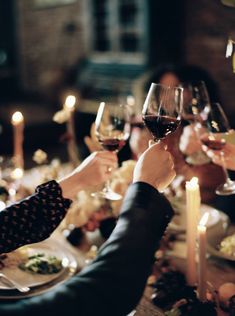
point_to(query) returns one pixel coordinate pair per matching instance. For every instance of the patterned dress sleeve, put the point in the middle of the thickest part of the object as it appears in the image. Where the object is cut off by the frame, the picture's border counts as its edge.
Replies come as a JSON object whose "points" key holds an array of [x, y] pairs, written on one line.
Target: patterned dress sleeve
{"points": [[34, 218]]}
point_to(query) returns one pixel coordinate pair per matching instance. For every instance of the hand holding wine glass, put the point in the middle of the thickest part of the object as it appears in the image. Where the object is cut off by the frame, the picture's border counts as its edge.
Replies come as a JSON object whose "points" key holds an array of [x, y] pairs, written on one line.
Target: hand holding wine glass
{"points": [[228, 155], [162, 110], [112, 127], [215, 139]]}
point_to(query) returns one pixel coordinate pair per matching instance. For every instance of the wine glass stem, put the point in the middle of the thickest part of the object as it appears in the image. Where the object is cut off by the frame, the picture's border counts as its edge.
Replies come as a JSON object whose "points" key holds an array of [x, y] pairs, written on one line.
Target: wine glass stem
{"points": [[107, 186], [227, 178], [196, 127]]}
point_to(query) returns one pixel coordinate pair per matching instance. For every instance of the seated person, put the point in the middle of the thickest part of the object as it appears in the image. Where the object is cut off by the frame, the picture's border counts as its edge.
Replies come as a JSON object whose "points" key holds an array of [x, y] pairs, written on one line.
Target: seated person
{"points": [[114, 282]]}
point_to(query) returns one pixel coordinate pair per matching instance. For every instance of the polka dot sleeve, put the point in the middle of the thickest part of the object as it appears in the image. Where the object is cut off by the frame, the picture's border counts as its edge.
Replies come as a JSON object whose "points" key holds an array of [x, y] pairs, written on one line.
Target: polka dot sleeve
{"points": [[34, 218]]}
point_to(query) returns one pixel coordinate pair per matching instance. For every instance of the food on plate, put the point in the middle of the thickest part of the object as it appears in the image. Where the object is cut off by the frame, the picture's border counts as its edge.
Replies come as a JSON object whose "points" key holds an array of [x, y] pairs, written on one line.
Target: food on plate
{"points": [[41, 264], [227, 245]]}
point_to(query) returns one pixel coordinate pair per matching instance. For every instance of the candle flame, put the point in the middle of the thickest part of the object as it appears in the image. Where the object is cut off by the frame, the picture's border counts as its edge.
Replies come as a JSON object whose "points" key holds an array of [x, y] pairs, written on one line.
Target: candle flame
{"points": [[17, 118], [17, 173], [70, 102], [130, 100], [204, 219], [194, 181], [192, 184]]}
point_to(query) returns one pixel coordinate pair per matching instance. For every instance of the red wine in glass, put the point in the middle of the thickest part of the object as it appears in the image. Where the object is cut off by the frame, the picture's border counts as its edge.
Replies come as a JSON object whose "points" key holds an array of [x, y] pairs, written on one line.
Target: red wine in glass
{"points": [[212, 142], [160, 126], [162, 110], [112, 144]]}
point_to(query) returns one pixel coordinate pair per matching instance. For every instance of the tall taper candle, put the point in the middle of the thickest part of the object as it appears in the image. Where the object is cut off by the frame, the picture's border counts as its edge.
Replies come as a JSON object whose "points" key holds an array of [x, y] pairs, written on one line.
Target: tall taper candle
{"points": [[17, 121], [192, 216], [72, 145], [202, 268]]}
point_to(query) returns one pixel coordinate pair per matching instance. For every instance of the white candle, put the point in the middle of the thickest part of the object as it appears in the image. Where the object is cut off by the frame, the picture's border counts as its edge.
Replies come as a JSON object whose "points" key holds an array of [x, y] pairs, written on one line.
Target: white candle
{"points": [[192, 216], [69, 105], [17, 121], [202, 269]]}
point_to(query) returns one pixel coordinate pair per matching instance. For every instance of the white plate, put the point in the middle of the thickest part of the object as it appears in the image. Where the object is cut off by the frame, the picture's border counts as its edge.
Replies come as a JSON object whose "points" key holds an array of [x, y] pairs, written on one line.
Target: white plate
{"points": [[178, 222], [34, 280]]}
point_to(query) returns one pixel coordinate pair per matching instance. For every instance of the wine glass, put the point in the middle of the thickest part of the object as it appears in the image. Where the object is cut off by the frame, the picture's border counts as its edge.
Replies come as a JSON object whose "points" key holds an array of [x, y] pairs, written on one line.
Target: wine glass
{"points": [[162, 110], [196, 101], [218, 127], [112, 127], [196, 105]]}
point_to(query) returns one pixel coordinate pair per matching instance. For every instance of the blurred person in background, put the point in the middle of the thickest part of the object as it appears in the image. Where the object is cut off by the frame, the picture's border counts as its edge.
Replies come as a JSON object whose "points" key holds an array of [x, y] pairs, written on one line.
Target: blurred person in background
{"points": [[173, 75]]}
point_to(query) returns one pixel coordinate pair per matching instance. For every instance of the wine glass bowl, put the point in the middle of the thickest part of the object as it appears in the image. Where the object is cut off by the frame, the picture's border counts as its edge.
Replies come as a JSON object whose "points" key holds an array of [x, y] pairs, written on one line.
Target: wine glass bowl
{"points": [[195, 111], [196, 101], [112, 130], [162, 110]]}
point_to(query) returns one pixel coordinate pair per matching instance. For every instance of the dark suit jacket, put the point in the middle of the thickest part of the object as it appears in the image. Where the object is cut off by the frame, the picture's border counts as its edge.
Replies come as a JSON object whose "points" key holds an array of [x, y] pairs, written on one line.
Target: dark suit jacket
{"points": [[114, 282]]}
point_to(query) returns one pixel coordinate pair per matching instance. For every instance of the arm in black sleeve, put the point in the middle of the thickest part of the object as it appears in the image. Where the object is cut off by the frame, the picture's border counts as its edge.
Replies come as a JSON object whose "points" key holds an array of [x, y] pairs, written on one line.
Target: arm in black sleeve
{"points": [[34, 218], [114, 282]]}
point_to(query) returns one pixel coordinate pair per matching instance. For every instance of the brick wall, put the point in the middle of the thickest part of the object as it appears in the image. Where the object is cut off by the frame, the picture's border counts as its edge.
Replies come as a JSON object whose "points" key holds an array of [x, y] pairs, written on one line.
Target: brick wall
{"points": [[46, 49], [45, 46], [208, 25]]}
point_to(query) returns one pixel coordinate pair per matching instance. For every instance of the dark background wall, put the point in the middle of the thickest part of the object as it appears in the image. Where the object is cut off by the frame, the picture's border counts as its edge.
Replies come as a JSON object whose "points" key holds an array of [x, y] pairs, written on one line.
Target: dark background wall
{"points": [[50, 40], [208, 24]]}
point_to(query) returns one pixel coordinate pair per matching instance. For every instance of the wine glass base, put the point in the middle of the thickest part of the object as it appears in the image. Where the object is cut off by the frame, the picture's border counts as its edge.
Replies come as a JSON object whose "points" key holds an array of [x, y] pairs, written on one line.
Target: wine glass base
{"points": [[227, 188], [108, 195]]}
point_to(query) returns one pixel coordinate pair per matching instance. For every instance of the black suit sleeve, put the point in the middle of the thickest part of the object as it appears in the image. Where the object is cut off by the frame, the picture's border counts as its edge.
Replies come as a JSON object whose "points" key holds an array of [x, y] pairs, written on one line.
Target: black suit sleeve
{"points": [[113, 284]]}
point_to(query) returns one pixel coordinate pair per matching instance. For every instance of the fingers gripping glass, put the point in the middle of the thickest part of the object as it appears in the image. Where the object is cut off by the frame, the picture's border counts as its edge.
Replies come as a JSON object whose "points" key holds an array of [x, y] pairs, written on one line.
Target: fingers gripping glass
{"points": [[162, 110], [218, 127], [112, 127]]}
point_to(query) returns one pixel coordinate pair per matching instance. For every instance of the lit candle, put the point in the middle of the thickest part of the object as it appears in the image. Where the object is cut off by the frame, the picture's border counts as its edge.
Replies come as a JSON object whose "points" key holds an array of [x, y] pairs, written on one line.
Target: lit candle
{"points": [[17, 121], [192, 216], [69, 105], [202, 277]]}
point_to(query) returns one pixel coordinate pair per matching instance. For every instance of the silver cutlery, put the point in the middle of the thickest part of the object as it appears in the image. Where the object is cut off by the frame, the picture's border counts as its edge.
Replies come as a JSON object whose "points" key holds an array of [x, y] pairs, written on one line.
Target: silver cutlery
{"points": [[16, 285]]}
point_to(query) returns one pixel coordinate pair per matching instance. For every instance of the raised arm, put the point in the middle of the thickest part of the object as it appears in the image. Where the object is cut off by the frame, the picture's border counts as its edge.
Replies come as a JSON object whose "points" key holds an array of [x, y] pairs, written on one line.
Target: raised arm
{"points": [[36, 217], [113, 283]]}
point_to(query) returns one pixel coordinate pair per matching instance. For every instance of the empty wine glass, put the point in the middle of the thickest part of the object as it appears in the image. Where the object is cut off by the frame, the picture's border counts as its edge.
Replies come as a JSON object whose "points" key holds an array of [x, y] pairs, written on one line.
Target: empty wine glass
{"points": [[112, 126], [196, 105], [218, 127], [196, 101], [162, 110]]}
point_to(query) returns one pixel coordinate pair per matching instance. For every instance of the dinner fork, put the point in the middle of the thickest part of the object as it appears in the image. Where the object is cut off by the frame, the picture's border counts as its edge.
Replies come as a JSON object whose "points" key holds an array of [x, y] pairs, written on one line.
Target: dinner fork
{"points": [[19, 287]]}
